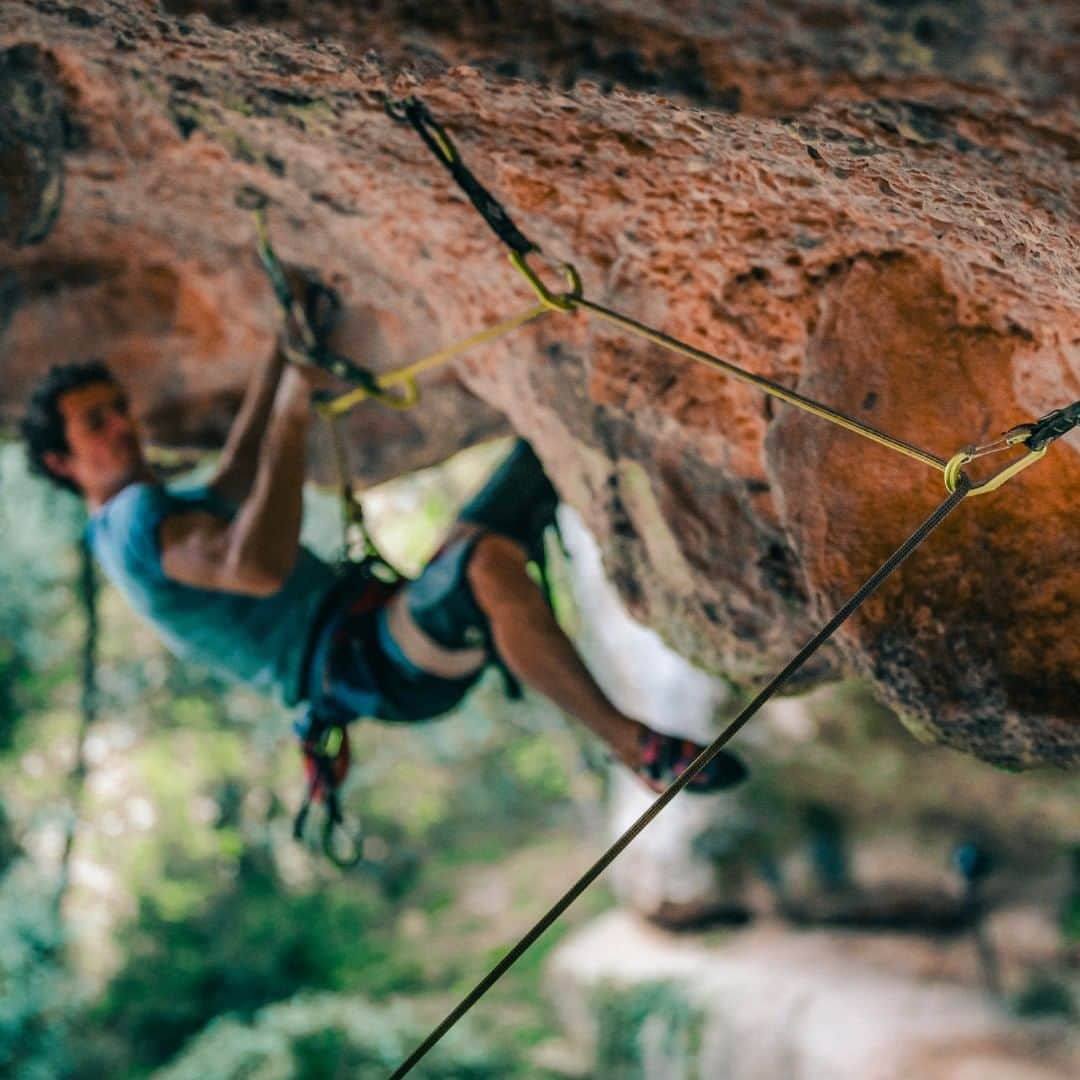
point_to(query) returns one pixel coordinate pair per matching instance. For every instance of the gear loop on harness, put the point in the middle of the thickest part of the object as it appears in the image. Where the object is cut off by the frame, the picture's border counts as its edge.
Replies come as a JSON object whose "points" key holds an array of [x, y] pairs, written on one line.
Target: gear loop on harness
{"points": [[325, 749]]}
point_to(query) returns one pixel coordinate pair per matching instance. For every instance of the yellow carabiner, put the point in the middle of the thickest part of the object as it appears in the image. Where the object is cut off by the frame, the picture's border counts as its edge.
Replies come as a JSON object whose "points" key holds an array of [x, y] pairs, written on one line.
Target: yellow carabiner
{"points": [[566, 301], [406, 399], [954, 469], [954, 466]]}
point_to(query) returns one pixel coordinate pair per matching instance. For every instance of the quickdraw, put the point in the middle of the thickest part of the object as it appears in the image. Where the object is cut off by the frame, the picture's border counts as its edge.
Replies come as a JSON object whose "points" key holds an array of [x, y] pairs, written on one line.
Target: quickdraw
{"points": [[1036, 437], [327, 757]]}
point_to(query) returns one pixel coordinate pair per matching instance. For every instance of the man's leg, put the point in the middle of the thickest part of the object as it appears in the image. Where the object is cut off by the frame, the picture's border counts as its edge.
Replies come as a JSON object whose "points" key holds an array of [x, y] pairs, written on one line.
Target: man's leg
{"points": [[533, 646], [478, 589]]}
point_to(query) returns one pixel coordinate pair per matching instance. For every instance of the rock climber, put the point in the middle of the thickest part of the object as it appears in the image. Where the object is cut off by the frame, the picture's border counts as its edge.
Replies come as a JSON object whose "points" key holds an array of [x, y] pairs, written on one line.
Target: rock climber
{"points": [[220, 574]]}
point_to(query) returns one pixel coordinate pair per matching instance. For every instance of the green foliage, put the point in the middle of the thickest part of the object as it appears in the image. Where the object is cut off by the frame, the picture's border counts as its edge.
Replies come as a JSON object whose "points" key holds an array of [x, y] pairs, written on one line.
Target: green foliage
{"points": [[39, 526], [333, 1038], [1070, 920], [1070, 907], [646, 1030], [253, 941], [36, 993], [1045, 995]]}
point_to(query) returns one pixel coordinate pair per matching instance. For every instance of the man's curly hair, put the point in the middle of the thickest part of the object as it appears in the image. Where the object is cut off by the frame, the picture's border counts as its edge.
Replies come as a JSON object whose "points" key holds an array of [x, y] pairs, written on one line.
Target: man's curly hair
{"points": [[43, 424]]}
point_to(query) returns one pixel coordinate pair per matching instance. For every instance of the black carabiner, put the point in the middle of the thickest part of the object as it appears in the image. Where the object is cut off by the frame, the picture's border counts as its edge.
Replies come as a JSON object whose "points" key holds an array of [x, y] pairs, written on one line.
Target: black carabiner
{"points": [[334, 830]]}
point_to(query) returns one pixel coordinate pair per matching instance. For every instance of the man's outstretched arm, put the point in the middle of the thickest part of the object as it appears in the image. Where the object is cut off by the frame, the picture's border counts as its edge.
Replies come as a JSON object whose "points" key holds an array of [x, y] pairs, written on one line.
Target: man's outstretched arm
{"points": [[256, 551], [240, 458]]}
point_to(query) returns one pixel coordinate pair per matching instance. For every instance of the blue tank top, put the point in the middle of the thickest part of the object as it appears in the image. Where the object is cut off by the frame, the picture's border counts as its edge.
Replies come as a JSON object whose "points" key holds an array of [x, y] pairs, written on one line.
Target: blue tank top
{"points": [[261, 641]]}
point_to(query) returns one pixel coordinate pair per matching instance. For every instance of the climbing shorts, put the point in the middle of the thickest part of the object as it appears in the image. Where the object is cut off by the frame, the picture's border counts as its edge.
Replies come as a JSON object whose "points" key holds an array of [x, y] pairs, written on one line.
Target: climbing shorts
{"points": [[436, 611], [365, 667]]}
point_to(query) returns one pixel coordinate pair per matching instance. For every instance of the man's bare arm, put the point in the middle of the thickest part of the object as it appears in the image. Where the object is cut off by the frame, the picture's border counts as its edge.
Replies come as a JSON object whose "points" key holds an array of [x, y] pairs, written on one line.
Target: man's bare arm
{"points": [[256, 551], [240, 458]]}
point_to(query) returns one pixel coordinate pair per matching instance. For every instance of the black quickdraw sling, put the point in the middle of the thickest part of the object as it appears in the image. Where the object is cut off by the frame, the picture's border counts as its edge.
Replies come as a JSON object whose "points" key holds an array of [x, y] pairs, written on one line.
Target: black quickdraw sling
{"points": [[324, 739], [413, 111]]}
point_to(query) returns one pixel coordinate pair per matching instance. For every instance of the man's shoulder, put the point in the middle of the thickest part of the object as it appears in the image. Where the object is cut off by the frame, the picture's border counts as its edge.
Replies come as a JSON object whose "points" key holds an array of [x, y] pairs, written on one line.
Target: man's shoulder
{"points": [[130, 505], [124, 531]]}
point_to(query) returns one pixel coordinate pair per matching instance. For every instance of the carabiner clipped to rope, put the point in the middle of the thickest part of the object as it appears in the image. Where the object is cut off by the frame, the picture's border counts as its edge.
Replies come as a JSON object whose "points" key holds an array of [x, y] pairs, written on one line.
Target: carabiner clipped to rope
{"points": [[368, 384], [566, 301]]}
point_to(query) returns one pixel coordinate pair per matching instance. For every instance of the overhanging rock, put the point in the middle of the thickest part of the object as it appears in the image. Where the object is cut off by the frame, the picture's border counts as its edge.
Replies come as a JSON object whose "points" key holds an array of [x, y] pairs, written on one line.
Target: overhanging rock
{"points": [[870, 205]]}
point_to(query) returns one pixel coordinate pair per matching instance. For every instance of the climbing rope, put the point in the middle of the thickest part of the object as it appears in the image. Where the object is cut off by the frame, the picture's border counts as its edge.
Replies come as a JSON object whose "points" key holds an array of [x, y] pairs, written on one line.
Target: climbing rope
{"points": [[415, 113], [381, 387], [1035, 437], [88, 589], [853, 603], [775, 390], [407, 374]]}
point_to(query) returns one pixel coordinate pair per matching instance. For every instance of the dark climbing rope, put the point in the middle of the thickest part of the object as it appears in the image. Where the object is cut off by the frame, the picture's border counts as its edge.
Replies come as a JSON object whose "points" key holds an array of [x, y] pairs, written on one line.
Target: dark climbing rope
{"points": [[87, 589], [843, 613]]}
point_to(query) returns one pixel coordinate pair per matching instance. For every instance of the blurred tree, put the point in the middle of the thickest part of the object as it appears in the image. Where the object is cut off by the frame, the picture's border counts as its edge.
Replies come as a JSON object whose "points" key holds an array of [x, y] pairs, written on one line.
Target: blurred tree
{"points": [[39, 527], [252, 942], [323, 1037], [37, 996]]}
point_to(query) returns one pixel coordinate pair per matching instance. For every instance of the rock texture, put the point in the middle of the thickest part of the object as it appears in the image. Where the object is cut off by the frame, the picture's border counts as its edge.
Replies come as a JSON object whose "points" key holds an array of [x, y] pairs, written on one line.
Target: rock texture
{"points": [[874, 202]]}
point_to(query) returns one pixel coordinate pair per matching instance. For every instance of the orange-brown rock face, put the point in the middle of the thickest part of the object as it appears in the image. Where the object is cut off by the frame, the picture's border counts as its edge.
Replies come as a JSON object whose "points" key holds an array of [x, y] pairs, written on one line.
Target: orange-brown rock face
{"points": [[874, 203]]}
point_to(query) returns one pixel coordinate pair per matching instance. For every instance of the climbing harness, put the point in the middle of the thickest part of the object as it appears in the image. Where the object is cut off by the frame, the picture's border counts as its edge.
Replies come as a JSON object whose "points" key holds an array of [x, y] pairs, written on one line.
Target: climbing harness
{"points": [[1034, 438]]}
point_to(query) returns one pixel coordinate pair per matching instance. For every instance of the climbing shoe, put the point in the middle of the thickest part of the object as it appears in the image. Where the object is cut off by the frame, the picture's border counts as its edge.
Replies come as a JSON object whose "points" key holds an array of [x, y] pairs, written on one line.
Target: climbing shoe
{"points": [[666, 757]]}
